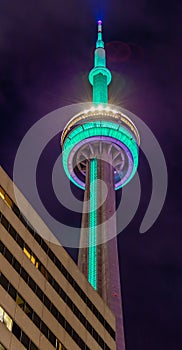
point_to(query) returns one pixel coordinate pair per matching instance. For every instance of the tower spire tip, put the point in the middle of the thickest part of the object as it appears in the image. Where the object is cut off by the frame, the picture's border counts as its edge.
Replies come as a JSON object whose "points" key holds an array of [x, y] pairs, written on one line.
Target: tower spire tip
{"points": [[99, 26]]}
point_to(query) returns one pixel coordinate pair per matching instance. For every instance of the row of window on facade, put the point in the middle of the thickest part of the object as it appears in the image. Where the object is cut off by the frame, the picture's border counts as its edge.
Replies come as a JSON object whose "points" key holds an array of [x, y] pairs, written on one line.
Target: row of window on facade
{"points": [[8, 287], [27, 251], [52, 256]]}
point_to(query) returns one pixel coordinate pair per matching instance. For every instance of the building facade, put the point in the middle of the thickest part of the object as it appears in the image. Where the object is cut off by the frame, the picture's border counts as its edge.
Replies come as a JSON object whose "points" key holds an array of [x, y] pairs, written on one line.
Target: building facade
{"points": [[46, 303]]}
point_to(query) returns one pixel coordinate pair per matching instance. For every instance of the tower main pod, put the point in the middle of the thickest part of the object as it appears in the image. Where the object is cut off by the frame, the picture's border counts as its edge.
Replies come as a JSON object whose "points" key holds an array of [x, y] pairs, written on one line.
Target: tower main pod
{"points": [[100, 155]]}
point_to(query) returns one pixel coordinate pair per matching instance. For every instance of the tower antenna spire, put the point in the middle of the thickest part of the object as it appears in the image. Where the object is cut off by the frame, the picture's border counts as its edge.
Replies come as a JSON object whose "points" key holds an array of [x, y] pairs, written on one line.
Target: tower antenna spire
{"points": [[99, 42], [100, 76]]}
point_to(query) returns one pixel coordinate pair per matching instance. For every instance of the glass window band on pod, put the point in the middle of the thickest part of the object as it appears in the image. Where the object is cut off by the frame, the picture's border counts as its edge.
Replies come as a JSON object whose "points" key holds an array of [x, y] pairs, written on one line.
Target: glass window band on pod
{"points": [[83, 136]]}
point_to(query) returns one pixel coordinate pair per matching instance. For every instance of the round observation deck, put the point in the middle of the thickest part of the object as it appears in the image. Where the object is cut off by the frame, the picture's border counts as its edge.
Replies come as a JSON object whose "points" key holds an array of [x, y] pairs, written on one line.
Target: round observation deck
{"points": [[100, 133]]}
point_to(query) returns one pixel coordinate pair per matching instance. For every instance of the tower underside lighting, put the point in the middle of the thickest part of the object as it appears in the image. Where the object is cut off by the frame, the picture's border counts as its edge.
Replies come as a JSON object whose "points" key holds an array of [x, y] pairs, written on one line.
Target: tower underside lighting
{"points": [[85, 136]]}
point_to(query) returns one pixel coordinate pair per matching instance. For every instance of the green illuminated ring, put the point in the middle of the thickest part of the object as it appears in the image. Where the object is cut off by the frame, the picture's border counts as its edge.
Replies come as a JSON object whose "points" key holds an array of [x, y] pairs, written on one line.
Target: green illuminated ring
{"points": [[81, 134], [102, 70]]}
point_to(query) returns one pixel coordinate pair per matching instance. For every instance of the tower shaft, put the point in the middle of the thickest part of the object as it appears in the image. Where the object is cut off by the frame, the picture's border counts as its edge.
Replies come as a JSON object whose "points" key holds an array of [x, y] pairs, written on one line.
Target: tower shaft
{"points": [[99, 262], [102, 260]]}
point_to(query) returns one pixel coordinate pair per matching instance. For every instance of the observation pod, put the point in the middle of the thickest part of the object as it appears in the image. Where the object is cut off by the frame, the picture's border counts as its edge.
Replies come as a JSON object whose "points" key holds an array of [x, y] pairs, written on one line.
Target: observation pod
{"points": [[103, 134]]}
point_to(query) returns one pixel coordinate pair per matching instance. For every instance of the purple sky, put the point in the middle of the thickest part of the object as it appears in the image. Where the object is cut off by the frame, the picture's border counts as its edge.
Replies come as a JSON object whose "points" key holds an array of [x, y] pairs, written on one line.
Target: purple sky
{"points": [[46, 50]]}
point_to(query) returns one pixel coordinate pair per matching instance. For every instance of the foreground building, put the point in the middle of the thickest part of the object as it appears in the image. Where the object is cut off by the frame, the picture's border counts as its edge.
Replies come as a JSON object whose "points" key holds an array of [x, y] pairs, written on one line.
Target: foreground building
{"points": [[46, 303]]}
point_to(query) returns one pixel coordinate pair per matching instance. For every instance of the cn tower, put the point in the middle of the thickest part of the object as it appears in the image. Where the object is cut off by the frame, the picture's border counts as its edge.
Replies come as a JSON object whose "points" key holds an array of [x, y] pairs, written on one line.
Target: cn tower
{"points": [[100, 155]]}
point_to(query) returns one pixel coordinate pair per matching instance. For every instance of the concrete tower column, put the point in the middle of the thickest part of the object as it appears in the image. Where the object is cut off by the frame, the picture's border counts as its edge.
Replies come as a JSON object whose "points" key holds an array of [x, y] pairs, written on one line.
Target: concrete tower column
{"points": [[108, 274]]}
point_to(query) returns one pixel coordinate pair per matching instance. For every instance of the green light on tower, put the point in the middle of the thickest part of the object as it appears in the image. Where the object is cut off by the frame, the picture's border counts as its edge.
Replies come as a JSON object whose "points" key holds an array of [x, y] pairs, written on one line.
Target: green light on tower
{"points": [[92, 253], [99, 128]]}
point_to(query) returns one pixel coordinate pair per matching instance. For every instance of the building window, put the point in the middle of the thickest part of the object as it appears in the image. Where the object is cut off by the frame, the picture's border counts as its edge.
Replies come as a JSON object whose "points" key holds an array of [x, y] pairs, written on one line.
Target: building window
{"points": [[6, 198], [16, 265], [2, 347], [20, 302], [39, 293], [1, 314], [31, 256], [25, 340], [32, 284], [4, 282], [36, 320], [12, 232], [5, 222], [59, 345], [2, 193], [24, 275], [28, 310], [6, 319], [32, 346], [8, 201], [52, 338], [44, 329], [26, 252]]}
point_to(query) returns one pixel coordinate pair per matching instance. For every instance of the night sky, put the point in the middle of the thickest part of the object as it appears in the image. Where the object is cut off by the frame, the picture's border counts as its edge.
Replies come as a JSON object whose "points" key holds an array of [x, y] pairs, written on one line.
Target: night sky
{"points": [[46, 51]]}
